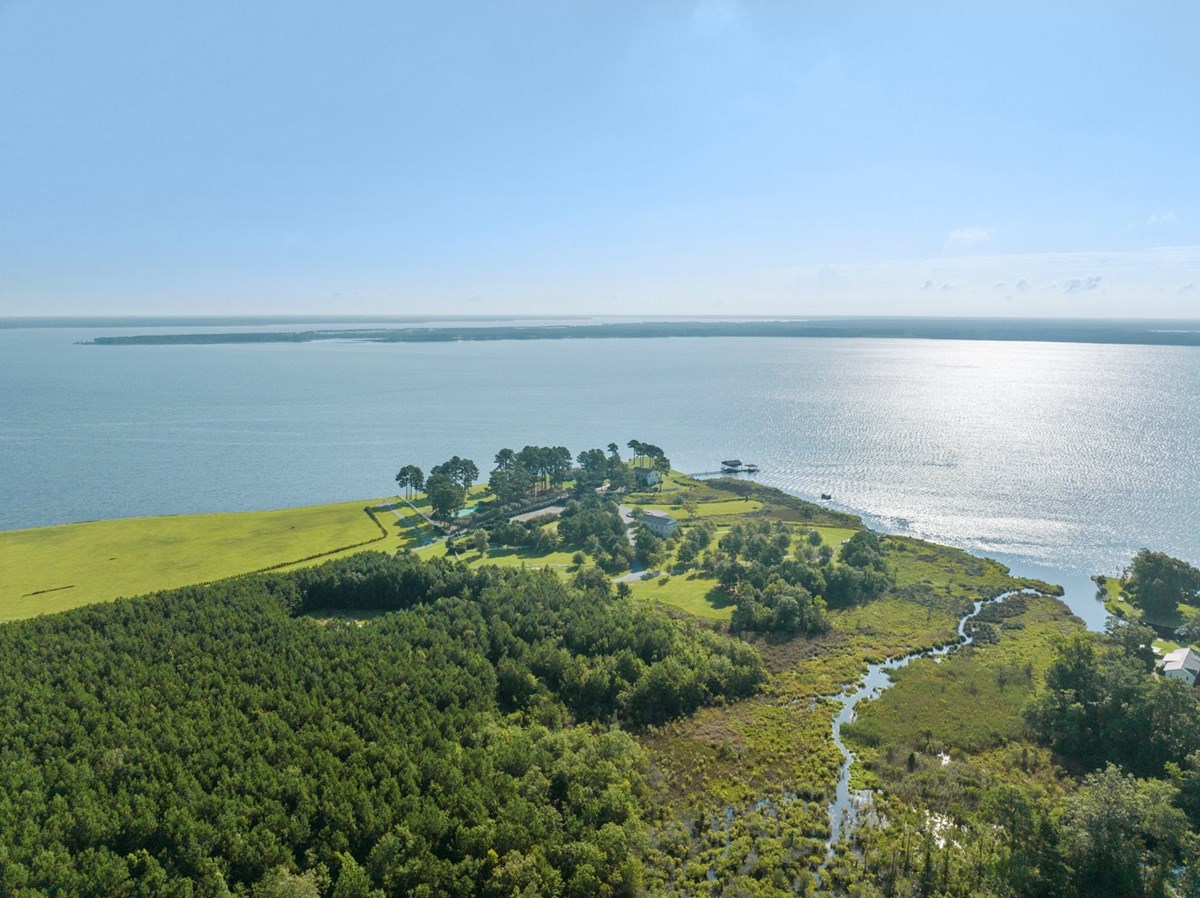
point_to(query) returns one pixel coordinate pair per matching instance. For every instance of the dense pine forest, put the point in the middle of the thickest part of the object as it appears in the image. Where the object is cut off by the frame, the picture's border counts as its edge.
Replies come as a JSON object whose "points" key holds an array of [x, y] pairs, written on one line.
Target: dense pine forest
{"points": [[220, 739]]}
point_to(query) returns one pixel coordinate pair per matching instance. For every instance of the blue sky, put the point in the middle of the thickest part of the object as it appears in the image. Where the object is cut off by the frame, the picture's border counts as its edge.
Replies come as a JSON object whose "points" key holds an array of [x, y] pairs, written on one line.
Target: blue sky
{"points": [[707, 157]]}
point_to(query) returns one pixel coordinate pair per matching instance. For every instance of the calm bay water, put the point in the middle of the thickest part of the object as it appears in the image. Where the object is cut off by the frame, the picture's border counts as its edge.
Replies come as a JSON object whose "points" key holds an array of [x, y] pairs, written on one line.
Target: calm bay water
{"points": [[1062, 459]]}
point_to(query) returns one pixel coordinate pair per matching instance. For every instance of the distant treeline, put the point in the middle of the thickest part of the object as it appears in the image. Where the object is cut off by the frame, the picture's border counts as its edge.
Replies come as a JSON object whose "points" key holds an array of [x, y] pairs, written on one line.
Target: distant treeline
{"points": [[107, 321], [1158, 333]]}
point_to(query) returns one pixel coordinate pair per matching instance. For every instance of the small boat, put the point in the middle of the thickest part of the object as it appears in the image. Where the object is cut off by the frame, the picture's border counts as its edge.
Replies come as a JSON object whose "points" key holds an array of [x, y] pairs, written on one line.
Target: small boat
{"points": [[826, 496]]}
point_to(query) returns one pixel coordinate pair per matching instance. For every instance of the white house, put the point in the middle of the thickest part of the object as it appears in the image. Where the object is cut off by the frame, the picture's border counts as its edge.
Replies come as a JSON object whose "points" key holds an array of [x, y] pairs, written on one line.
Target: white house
{"points": [[1181, 664], [659, 523], [646, 476]]}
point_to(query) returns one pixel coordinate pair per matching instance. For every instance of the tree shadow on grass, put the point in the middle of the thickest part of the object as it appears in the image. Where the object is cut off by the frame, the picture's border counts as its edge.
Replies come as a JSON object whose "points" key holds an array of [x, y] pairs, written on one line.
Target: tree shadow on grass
{"points": [[719, 598]]}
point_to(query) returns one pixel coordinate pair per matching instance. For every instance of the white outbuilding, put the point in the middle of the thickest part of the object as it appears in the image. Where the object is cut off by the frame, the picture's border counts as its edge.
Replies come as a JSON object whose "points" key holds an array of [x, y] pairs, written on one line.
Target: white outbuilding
{"points": [[1181, 664]]}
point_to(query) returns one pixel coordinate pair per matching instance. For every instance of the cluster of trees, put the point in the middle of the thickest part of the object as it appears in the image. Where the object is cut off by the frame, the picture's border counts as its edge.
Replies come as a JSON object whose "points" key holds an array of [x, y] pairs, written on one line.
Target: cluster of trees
{"points": [[594, 524], [522, 535], [411, 479], [447, 485], [784, 588], [1116, 835], [518, 475], [211, 740], [694, 541], [758, 542], [596, 467], [781, 608], [863, 551], [1102, 704], [861, 576], [774, 593], [1158, 583]]}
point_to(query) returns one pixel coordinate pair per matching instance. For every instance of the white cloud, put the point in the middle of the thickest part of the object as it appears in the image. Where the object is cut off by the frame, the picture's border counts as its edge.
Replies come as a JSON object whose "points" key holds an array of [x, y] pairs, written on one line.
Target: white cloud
{"points": [[1184, 288], [1022, 284], [999, 285], [928, 285], [1078, 285], [950, 285], [961, 237]]}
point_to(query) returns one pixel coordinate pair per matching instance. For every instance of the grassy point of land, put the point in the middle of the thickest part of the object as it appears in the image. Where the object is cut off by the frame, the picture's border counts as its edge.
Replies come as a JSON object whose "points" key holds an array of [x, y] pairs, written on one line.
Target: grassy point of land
{"points": [[687, 590]]}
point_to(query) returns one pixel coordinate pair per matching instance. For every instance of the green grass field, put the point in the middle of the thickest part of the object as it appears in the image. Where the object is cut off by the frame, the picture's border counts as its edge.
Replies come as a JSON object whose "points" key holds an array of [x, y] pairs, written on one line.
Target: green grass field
{"points": [[690, 592], [54, 568], [719, 508], [502, 557], [833, 536]]}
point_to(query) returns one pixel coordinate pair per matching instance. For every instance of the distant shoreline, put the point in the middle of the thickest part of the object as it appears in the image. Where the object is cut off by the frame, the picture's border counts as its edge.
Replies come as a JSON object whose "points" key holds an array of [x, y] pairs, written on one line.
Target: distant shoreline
{"points": [[1126, 332]]}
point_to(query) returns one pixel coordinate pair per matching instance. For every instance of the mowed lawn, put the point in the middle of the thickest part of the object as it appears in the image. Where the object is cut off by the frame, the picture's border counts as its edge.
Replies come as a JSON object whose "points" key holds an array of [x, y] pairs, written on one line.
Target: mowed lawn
{"points": [[51, 569], [690, 592], [502, 557], [834, 536], [708, 509], [1118, 604]]}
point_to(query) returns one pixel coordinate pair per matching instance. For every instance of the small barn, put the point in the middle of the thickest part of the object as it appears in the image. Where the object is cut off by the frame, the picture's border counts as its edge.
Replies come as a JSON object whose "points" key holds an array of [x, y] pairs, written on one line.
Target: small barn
{"points": [[659, 523], [1181, 664]]}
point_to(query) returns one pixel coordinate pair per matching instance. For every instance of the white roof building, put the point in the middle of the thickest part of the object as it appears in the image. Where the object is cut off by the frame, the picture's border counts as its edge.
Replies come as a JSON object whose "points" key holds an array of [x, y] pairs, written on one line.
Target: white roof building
{"points": [[659, 522], [1182, 664]]}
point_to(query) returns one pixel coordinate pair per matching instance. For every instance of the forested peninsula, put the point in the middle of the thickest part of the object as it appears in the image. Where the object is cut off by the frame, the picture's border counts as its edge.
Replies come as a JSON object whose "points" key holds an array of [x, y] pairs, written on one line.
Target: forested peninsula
{"points": [[598, 677], [1155, 333]]}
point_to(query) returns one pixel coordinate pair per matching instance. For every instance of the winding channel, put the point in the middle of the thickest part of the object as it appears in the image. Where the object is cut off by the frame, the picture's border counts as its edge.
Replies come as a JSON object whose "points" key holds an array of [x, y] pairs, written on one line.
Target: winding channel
{"points": [[844, 808]]}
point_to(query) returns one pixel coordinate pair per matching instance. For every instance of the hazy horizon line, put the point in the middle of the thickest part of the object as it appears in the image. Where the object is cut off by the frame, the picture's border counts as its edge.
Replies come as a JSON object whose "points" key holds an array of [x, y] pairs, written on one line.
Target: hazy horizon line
{"points": [[118, 320]]}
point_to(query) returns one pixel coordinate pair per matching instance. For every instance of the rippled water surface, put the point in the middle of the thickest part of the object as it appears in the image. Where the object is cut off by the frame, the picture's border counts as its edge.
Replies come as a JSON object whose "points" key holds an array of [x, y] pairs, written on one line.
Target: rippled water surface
{"points": [[1066, 456]]}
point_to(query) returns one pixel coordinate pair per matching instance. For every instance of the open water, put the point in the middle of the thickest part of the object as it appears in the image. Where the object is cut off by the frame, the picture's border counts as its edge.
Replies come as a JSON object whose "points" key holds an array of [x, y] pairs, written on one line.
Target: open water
{"points": [[1061, 459]]}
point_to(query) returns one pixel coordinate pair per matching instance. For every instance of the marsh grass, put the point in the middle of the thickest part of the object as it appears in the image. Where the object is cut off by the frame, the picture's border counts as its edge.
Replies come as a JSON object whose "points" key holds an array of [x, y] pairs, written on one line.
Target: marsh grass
{"points": [[967, 707]]}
